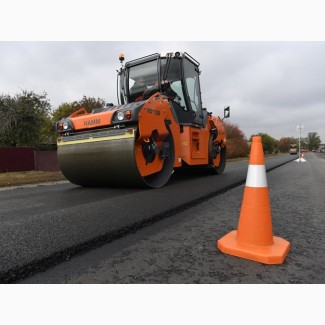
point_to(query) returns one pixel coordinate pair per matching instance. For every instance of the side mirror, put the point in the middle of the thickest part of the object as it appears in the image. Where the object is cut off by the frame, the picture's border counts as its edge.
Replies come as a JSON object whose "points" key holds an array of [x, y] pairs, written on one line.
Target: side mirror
{"points": [[226, 112]]}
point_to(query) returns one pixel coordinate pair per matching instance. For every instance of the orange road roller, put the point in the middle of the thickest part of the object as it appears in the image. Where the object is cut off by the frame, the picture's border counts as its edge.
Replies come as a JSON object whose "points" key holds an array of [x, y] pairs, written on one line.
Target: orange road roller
{"points": [[159, 125]]}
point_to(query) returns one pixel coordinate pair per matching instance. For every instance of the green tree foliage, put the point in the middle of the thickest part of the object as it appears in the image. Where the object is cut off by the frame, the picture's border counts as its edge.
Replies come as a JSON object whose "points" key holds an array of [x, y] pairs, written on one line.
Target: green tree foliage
{"points": [[303, 143], [7, 119], [66, 109], [269, 143], [22, 118], [313, 141], [285, 142], [48, 133], [237, 145]]}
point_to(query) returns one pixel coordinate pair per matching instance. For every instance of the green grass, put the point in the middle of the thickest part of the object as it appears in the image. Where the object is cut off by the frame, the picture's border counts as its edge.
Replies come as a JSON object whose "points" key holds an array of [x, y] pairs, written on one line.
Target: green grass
{"points": [[29, 177]]}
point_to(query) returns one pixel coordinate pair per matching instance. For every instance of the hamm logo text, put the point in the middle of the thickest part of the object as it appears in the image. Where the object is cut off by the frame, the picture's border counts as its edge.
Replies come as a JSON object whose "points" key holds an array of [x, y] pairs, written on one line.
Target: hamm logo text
{"points": [[92, 122]]}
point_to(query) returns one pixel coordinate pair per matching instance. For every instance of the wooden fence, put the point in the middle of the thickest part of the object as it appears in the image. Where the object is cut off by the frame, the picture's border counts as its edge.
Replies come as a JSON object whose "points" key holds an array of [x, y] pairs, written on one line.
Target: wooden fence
{"points": [[24, 159]]}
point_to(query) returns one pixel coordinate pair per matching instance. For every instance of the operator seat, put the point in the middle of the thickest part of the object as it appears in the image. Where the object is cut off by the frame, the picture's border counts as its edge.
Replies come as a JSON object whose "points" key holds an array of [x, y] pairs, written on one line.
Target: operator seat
{"points": [[137, 90]]}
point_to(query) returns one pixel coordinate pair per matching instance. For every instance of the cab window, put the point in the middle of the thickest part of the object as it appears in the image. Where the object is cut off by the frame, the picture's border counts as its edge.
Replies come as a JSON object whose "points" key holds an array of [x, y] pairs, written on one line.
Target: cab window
{"points": [[172, 73], [141, 78], [192, 85]]}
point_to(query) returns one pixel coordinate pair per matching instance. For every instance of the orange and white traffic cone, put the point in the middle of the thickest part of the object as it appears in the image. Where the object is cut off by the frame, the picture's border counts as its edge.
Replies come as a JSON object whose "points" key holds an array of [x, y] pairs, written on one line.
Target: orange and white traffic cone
{"points": [[254, 238], [301, 159]]}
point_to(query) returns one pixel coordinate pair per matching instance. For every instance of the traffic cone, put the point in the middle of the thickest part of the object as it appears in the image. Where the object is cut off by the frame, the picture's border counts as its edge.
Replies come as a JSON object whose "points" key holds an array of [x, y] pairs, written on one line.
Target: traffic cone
{"points": [[301, 159], [254, 238]]}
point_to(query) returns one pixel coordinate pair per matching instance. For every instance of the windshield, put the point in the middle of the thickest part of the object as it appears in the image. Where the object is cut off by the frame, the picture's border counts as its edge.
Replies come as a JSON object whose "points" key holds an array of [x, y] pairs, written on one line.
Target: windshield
{"points": [[142, 77], [143, 81]]}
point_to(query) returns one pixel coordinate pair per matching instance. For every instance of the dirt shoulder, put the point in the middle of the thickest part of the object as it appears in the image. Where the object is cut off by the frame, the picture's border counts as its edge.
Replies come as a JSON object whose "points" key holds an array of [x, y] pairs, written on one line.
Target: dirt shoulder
{"points": [[29, 177]]}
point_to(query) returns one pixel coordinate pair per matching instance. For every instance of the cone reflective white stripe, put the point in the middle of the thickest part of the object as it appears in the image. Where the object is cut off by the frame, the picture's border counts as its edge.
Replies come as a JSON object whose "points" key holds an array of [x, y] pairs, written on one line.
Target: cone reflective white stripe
{"points": [[256, 176]]}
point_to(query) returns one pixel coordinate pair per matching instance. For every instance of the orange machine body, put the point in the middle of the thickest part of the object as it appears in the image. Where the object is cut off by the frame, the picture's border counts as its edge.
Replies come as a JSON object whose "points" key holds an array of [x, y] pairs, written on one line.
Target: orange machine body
{"points": [[191, 145]]}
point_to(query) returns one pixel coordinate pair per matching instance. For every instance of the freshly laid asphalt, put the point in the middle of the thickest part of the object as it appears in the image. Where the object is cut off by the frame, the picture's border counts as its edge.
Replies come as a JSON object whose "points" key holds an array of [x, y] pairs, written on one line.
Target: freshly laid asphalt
{"points": [[44, 225], [181, 248]]}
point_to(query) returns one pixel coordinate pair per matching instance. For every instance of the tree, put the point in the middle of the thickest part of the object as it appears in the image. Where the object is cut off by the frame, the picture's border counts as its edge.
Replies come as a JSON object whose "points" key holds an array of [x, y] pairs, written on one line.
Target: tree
{"points": [[48, 133], [312, 141], [66, 109], [237, 145], [7, 119], [269, 143], [285, 142], [22, 118]]}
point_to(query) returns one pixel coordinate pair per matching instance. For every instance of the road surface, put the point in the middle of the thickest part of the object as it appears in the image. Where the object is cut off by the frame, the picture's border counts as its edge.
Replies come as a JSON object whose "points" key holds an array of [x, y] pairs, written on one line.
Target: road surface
{"points": [[158, 236], [182, 248]]}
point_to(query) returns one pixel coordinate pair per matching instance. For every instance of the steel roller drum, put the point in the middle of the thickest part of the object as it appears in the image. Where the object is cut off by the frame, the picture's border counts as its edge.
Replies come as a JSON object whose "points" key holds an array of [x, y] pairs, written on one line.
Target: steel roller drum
{"points": [[106, 159], [100, 159]]}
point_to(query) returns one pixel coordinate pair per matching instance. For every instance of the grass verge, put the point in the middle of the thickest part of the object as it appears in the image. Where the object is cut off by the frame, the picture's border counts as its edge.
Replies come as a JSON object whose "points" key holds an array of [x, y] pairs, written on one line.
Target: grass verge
{"points": [[29, 177]]}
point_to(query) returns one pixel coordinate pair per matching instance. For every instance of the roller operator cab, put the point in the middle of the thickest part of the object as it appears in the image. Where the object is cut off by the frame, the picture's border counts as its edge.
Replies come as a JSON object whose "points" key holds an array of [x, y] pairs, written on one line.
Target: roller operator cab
{"points": [[158, 125]]}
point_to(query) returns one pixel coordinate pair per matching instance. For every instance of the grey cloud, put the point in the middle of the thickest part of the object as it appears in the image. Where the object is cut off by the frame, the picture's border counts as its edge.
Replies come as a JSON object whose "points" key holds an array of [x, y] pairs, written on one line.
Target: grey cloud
{"points": [[270, 86]]}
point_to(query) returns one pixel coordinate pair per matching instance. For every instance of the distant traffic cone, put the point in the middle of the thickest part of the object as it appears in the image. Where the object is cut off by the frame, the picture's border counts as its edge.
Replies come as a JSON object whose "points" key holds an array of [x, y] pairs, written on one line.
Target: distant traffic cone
{"points": [[254, 238], [301, 159]]}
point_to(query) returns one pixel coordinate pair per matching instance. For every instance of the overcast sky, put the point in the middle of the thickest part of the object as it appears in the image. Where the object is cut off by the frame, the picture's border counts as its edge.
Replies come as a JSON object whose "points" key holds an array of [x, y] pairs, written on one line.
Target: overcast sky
{"points": [[264, 59], [270, 86]]}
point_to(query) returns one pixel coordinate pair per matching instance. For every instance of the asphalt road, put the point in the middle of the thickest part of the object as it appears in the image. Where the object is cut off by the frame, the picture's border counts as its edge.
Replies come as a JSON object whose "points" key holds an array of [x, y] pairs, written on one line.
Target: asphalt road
{"points": [[182, 247], [45, 225]]}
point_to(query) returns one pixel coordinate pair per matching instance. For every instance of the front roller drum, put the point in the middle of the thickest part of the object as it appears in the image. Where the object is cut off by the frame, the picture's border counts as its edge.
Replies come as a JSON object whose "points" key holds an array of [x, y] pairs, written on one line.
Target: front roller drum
{"points": [[111, 162]]}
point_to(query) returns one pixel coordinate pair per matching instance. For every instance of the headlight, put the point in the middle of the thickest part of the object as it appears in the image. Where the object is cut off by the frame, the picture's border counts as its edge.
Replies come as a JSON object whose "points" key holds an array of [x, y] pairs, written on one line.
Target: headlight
{"points": [[64, 125], [120, 116], [124, 115]]}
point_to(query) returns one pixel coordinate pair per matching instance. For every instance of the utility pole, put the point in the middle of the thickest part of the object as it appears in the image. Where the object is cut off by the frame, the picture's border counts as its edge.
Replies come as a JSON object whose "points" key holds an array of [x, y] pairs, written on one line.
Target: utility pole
{"points": [[299, 126]]}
